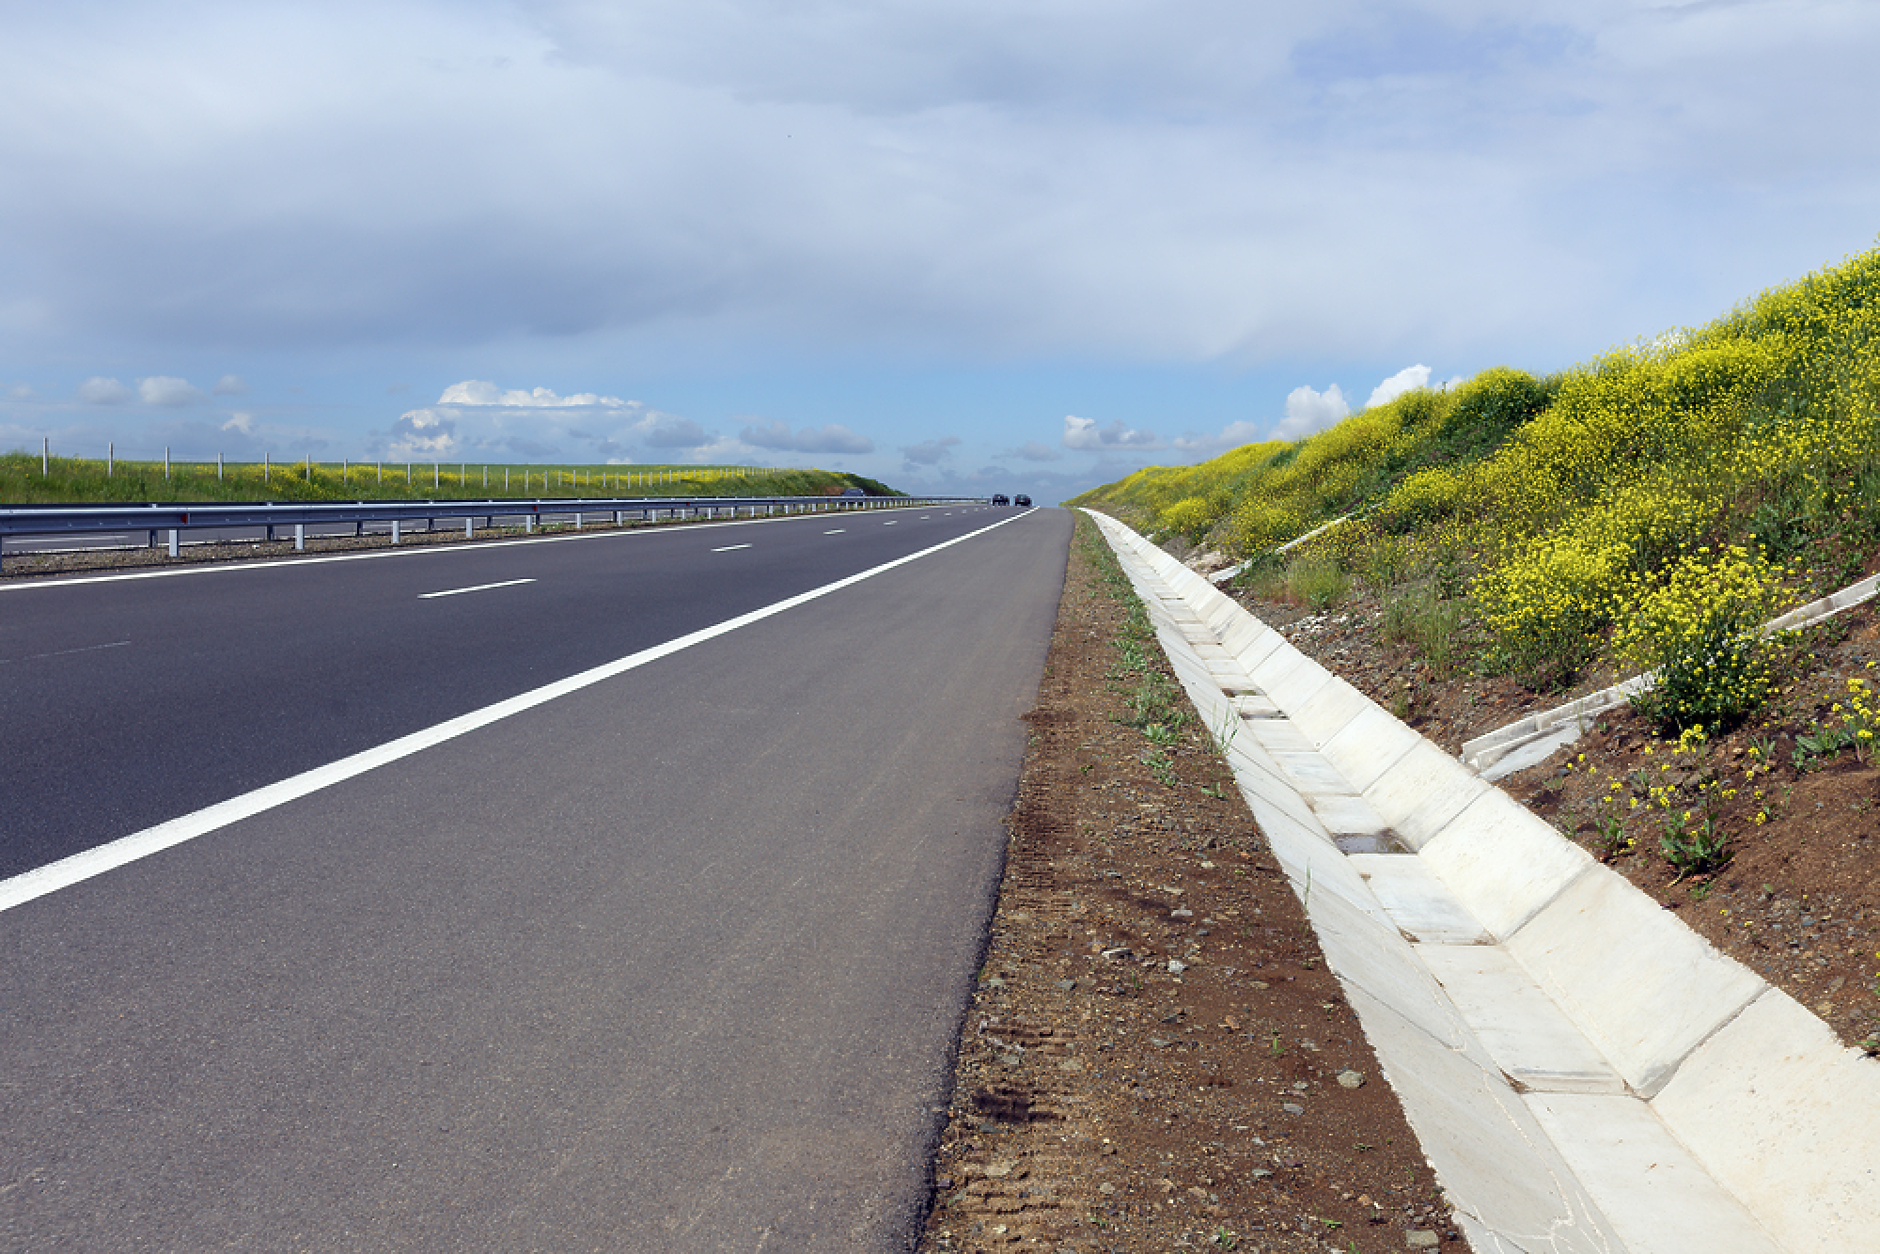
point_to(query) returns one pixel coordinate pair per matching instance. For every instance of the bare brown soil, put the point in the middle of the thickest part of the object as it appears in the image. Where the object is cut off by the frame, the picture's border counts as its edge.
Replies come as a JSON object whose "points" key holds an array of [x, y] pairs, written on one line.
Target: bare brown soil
{"points": [[1799, 899], [1156, 1057]]}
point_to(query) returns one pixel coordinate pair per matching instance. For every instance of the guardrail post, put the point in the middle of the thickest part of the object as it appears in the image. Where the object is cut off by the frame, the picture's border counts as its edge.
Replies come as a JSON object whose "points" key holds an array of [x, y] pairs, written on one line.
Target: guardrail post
{"points": [[300, 537], [173, 543], [528, 524], [469, 525], [394, 531], [577, 520]]}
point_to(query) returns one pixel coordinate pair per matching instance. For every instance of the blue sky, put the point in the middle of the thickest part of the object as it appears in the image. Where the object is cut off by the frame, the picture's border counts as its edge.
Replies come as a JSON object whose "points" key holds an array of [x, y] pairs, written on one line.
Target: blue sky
{"points": [[1028, 245]]}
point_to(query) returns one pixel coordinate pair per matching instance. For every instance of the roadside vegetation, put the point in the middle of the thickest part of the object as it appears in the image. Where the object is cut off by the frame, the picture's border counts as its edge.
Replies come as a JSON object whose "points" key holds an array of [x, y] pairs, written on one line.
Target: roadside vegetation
{"points": [[26, 480], [1502, 544]]}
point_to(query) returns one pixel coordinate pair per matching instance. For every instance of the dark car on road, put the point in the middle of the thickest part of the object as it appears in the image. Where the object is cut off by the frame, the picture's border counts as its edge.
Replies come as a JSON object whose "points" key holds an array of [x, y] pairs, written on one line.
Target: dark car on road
{"points": [[998, 498], [1021, 499]]}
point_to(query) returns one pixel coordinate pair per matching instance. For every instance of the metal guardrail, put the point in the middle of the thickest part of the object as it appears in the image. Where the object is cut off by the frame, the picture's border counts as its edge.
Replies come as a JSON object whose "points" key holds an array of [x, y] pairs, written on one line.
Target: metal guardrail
{"points": [[176, 518]]}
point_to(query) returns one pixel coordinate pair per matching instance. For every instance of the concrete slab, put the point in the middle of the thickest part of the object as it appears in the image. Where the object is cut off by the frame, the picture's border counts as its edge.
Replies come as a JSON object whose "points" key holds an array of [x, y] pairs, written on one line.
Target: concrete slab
{"points": [[1252, 705], [1369, 745], [1312, 773], [1658, 1197], [1260, 649], [1504, 861], [1281, 735], [1531, 753], [1347, 816], [1329, 711], [1644, 987], [1293, 681], [1789, 1120], [1496, 1162], [1528, 1036], [1423, 792], [1419, 904]]}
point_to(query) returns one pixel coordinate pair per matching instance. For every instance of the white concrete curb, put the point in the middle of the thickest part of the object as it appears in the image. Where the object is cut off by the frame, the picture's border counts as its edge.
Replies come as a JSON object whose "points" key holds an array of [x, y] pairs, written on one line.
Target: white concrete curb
{"points": [[1532, 740], [1584, 1071]]}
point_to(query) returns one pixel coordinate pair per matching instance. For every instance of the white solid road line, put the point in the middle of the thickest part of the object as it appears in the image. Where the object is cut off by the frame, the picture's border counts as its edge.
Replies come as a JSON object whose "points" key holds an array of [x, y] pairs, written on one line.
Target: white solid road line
{"points": [[727, 548], [482, 587], [838, 531], [126, 849]]}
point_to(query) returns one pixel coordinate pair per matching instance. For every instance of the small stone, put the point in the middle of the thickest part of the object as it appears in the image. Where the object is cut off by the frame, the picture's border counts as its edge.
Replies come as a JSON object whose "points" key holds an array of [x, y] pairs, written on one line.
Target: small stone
{"points": [[1300, 1086], [1118, 954], [1207, 866], [1176, 966], [1260, 985], [1106, 1188], [998, 1171], [1011, 1060], [1261, 1173], [995, 982], [1066, 985], [1293, 1108], [1181, 914], [1419, 1239], [1071, 1064], [1824, 1008], [1350, 1079]]}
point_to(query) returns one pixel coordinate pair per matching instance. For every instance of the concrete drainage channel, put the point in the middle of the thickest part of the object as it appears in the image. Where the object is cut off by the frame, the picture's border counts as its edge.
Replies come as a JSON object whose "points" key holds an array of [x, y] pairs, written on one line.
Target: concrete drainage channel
{"points": [[1585, 1072]]}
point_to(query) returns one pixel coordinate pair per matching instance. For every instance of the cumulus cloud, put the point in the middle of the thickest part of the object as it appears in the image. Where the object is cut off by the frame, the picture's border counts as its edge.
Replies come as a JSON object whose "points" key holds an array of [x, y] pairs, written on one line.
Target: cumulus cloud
{"points": [[1233, 435], [1037, 451], [164, 390], [1084, 433], [477, 392], [98, 390], [1406, 380], [1309, 410], [244, 423], [424, 433], [929, 452], [230, 385], [829, 438]]}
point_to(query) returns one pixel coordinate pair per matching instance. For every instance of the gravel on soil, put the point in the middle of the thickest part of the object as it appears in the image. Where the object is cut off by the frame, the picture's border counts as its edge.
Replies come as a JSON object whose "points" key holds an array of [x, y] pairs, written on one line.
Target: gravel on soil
{"points": [[1156, 1057]]}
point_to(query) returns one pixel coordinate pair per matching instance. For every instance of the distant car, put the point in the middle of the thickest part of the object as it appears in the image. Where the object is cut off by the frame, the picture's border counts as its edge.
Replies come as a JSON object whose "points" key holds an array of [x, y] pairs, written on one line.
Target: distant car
{"points": [[1021, 499], [854, 492], [998, 498]]}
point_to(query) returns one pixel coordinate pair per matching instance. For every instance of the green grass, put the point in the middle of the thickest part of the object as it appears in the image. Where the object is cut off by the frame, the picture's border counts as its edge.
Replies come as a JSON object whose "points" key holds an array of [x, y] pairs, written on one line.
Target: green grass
{"points": [[1546, 511], [83, 481]]}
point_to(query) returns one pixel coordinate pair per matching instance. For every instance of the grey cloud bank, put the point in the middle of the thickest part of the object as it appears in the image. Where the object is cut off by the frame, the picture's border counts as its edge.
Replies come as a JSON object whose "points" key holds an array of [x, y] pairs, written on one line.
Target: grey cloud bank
{"points": [[738, 205]]}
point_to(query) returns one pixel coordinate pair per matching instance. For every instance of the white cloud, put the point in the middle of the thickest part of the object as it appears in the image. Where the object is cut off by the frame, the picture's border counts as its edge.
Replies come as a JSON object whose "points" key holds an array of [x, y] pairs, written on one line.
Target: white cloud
{"points": [[477, 392], [1084, 433], [829, 438], [21, 392], [101, 391], [929, 452], [230, 385], [1406, 380], [1038, 451], [1233, 435], [164, 390], [1309, 410], [244, 423]]}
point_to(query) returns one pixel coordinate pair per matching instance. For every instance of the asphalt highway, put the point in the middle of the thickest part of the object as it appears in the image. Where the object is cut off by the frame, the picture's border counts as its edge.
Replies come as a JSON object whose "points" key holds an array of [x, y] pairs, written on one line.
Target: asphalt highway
{"points": [[665, 954]]}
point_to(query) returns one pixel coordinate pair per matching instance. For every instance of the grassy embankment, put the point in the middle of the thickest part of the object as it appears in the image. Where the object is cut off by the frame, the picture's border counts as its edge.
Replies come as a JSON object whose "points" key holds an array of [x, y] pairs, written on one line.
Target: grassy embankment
{"points": [[1642, 511], [1689, 485], [77, 480]]}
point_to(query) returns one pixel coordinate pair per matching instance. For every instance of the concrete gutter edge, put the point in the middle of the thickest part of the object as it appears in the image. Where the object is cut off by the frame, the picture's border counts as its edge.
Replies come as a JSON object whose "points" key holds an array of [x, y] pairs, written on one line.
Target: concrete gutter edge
{"points": [[1544, 1022]]}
